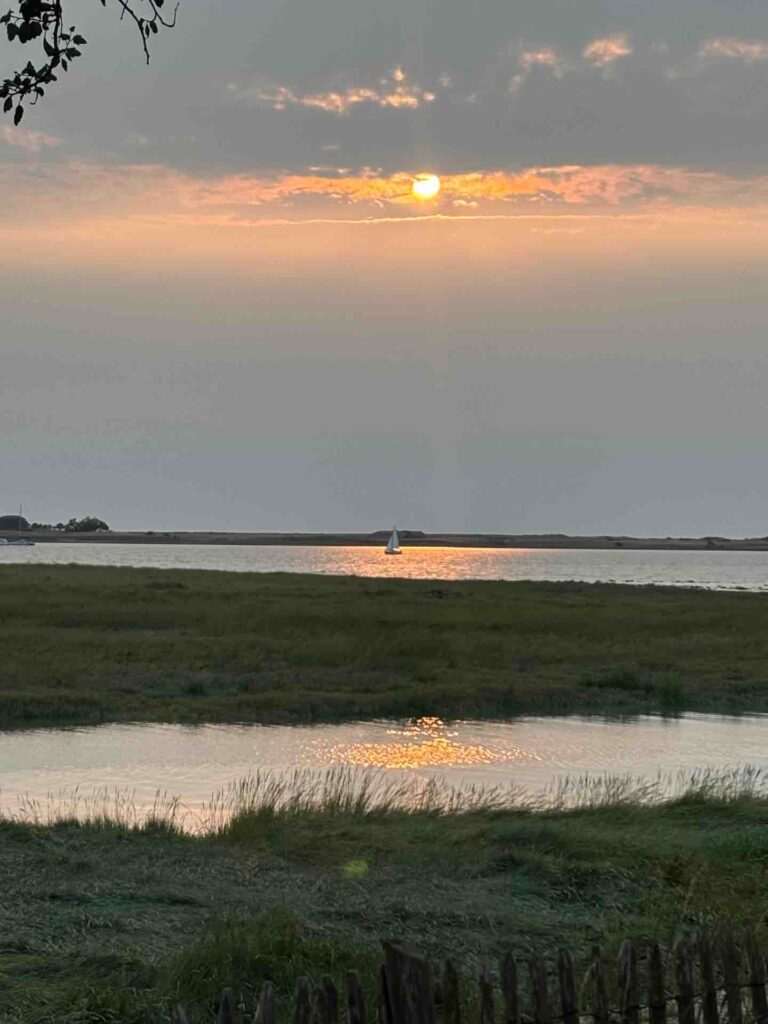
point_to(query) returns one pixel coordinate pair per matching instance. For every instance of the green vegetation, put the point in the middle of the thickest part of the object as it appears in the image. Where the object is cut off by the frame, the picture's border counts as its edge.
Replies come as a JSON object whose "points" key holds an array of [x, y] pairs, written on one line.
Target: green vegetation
{"points": [[84, 644], [104, 922], [88, 524]]}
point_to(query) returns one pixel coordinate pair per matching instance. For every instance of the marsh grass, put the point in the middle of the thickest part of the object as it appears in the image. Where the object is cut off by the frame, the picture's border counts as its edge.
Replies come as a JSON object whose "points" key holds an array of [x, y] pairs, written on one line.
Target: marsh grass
{"points": [[351, 793], [114, 916], [85, 644]]}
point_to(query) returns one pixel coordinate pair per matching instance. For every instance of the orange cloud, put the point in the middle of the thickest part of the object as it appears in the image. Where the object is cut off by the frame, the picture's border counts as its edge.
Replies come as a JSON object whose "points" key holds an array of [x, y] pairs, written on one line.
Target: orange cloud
{"points": [[731, 48], [570, 185], [545, 56], [394, 91], [29, 141], [605, 51], [160, 195]]}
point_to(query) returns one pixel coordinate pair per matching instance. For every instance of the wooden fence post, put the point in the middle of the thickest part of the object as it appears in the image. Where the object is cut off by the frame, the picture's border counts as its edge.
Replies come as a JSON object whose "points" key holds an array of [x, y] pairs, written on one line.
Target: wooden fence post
{"points": [[686, 1010], [227, 1012], [327, 1002], [627, 982], [657, 996], [451, 996], [537, 975], [595, 983], [731, 976], [756, 976], [709, 1009], [303, 1009], [568, 1001], [383, 1006], [508, 974], [408, 984], [265, 1012], [485, 996], [357, 1012]]}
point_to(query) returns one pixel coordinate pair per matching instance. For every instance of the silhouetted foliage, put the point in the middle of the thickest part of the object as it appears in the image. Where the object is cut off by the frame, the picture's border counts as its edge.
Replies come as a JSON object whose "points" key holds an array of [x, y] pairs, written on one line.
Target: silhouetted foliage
{"points": [[43, 22], [13, 523], [89, 524]]}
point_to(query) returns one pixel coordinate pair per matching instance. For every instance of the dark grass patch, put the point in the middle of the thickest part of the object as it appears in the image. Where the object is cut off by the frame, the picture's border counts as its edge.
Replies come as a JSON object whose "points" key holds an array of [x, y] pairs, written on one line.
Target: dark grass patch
{"points": [[160, 917], [90, 644]]}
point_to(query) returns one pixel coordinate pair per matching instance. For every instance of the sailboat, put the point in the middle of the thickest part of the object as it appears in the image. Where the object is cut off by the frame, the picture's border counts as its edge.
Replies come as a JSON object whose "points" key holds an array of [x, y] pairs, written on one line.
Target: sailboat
{"points": [[393, 544]]}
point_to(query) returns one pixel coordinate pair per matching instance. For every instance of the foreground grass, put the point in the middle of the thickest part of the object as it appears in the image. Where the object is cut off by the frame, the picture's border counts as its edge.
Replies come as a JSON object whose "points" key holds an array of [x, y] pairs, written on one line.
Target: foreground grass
{"points": [[108, 923], [84, 644]]}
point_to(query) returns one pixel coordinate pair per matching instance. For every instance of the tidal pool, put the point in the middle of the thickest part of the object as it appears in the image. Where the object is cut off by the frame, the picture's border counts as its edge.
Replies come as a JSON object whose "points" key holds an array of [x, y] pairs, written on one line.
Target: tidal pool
{"points": [[47, 769]]}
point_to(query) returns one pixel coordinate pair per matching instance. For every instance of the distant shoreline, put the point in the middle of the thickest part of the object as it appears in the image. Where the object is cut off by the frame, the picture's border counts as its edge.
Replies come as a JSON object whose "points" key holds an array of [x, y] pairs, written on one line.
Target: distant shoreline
{"points": [[409, 539]]}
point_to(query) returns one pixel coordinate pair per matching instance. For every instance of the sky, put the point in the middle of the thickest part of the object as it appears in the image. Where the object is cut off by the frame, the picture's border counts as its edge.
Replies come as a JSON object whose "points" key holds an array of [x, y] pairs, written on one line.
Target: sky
{"points": [[223, 307]]}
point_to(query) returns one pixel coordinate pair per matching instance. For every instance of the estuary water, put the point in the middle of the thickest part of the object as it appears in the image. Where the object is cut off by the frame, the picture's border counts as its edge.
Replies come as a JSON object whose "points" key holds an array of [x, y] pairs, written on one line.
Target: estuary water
{"points": [[718, 570], [47, 767]]}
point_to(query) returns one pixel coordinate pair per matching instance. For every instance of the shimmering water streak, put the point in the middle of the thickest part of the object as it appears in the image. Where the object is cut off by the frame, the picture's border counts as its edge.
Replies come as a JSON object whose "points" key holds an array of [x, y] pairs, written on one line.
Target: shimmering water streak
{"points": [[194, 762], [722, 570]]}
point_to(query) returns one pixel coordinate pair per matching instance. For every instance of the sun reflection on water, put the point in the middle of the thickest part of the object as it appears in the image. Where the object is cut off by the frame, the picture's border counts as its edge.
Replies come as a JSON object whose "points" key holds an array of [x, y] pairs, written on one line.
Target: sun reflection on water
{"points": [[422, 743]]}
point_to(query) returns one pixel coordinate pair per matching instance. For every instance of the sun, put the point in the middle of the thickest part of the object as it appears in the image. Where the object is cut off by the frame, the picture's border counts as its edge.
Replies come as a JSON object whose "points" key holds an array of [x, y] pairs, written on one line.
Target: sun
{"points": [[426, 186]]}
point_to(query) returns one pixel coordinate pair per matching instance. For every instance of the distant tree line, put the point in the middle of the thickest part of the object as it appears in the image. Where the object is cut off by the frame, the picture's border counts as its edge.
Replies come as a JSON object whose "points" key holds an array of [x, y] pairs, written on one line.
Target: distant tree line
{"points": [[88, 524]]}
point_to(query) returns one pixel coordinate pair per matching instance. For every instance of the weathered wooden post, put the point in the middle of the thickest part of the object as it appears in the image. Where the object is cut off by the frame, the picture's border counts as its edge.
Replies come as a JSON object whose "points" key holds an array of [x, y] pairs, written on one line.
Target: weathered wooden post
{"points": [[265, 1011], [598, 994], [537, 975], [657, 995], [485, 996], [227, 1011], [451, 995], [302, 1013], [709, 1011], [383, 1008], [357, 1012], [566, 977], [509, 990], [686, 1010], [627, 982], [756, 976], [326, 1002], [731, 976], [408, 984]]}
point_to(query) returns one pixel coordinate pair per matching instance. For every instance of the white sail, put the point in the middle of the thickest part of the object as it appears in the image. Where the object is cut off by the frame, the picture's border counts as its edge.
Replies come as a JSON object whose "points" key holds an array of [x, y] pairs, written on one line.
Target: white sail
{"points": [[393, 545]]}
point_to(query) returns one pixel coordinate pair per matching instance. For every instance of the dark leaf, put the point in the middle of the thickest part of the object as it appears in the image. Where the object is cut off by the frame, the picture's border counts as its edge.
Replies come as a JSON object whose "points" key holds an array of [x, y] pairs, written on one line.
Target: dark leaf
{"points": [[18, 114], [7, 105]]}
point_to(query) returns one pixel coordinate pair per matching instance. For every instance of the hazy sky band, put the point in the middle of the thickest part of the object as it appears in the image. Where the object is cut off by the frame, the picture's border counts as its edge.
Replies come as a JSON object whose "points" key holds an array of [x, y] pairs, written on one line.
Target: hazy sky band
{"points": [[224, 308]]}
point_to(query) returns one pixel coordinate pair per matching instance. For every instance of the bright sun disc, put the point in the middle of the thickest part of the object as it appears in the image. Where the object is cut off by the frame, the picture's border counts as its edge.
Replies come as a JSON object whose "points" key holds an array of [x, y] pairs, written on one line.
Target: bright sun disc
{"points": [[426, 186]]}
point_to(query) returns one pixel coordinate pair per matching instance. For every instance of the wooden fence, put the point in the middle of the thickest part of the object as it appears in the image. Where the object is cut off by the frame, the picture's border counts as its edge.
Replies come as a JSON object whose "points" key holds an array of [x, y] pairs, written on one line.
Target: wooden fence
{"points": [[704, 981]]}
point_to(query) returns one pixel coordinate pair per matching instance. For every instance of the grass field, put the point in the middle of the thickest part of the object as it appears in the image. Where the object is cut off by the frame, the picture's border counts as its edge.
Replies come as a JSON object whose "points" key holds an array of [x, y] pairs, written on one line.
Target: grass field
{"points": [[83, 644], [108, 923]]}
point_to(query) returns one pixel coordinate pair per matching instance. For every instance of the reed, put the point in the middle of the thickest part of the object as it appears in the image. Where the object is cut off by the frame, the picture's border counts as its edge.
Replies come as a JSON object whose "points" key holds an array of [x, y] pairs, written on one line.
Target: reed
{"points": [[266, 797]]}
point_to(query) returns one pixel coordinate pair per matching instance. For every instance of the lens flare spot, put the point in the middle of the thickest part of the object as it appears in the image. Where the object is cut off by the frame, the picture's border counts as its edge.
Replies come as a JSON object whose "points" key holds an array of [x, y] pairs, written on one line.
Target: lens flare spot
{"points": [[356, 869]]}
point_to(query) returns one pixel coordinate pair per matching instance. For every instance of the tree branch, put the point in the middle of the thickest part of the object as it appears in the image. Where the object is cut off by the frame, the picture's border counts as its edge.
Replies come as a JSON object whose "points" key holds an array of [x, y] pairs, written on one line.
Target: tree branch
{"points": [[43, 20]]}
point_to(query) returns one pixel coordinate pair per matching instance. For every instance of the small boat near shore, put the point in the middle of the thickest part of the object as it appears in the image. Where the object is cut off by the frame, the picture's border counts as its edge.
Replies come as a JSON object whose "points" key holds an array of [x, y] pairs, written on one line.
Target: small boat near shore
{"points": [[22, 542], [393, 544]]}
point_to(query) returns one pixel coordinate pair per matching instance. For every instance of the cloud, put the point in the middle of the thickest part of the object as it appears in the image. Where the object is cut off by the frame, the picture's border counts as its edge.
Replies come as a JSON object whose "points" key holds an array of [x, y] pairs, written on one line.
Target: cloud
{"points": [[545, 56], [604, 52], [393, 91], [749, 51], [29, 141], [105, 196]]}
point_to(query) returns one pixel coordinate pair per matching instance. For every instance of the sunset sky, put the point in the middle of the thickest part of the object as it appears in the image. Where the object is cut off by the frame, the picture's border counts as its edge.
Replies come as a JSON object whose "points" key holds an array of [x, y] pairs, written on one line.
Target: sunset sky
{"points": [[224, 307]]}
